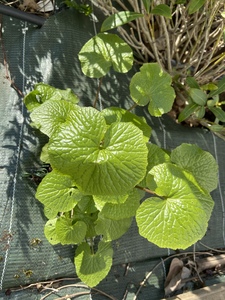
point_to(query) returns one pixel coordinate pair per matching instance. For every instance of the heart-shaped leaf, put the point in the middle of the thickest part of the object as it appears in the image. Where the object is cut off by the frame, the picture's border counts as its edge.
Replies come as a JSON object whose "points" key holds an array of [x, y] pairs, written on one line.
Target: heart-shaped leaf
{"points": [[180, 217], [51, 114], [44, 92], [93, 267], [154, 85], [58, 191], [69, 233], [200, 163], [102, 160], [103, 51]]}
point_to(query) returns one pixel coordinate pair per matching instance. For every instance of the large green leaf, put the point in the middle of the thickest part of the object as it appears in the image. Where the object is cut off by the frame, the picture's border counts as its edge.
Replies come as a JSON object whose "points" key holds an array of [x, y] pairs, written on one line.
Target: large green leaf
{"points": [[51, 114], [103, 51], [119, 19], [44, 92], [116, 114], [180, 217], [103, 160], [162, 10], [112, 229], [200, 163], [154, 85], [92, 268], [195, 5], [57, 192], [69, 233]]}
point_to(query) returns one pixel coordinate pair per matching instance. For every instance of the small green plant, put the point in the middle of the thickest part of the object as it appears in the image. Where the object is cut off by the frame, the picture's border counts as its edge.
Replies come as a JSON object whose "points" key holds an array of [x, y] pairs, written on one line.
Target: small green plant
{"points": [[103, 164], [203, 99]]}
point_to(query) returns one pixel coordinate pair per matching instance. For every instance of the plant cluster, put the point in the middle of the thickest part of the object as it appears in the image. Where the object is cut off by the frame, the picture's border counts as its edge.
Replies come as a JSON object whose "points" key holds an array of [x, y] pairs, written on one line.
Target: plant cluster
{"points": [[104, 170]]}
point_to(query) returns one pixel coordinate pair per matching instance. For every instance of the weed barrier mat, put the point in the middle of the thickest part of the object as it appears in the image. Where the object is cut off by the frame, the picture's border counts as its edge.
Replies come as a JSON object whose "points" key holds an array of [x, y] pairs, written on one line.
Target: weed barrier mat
{"points": [[49, 54]]}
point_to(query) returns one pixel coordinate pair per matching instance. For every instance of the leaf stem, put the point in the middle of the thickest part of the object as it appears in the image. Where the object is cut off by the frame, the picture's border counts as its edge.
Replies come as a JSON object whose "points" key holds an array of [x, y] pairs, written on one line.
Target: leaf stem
{"points": [[132, 107], [98, 92], [145, 190]]}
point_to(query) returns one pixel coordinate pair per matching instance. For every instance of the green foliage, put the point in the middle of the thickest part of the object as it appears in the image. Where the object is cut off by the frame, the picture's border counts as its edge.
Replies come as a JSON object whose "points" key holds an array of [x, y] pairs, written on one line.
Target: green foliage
{"points": [[154, 85], [119, 19], [195, 5], [162, 10], [204, 98], [103, 51], [102, 162]]}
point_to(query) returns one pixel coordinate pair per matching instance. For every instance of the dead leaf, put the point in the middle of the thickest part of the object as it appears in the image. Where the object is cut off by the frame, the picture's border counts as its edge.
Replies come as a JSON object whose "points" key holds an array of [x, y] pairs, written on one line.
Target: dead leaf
{"points": [[177, 273]]}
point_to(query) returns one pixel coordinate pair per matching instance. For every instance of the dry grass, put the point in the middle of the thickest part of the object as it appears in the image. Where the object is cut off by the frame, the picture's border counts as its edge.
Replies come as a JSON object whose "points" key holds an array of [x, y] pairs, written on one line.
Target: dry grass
{"points": [[186, 45]]}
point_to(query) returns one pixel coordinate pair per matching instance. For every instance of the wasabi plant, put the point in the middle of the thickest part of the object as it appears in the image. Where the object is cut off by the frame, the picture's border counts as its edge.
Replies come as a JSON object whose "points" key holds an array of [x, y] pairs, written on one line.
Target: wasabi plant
{"points": [[103, 165]]}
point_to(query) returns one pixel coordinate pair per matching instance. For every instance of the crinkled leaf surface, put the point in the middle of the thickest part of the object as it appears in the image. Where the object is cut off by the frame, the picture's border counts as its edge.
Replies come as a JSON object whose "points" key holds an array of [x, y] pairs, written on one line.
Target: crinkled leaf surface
{"points": [[51, 115], [112, 229], [103, 51], [92, 268], [119, 19], [57, 191], [125, 210], [154, 85], [103, 160], [50, 232], [200, 163], [116, 114], [69, 233], [44, 92], [180, 218]]}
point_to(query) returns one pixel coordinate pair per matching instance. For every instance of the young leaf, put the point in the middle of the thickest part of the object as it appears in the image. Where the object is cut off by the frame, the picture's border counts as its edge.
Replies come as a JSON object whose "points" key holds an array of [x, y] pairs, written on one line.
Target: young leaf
{"points": [[221, 88], [195, 5], [103, 51], [200, 112], [116, 114], [218, 112], [50, 232], [192, 83], [154, 85], [69, 233], [102, 160], [201, 164], [58, 191], [112, 229], [44, 92], [181, 217], [198, 96], [51, 115], [147, 4], [162, 10], [187, 111], [92, 268], [119, 19]]}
